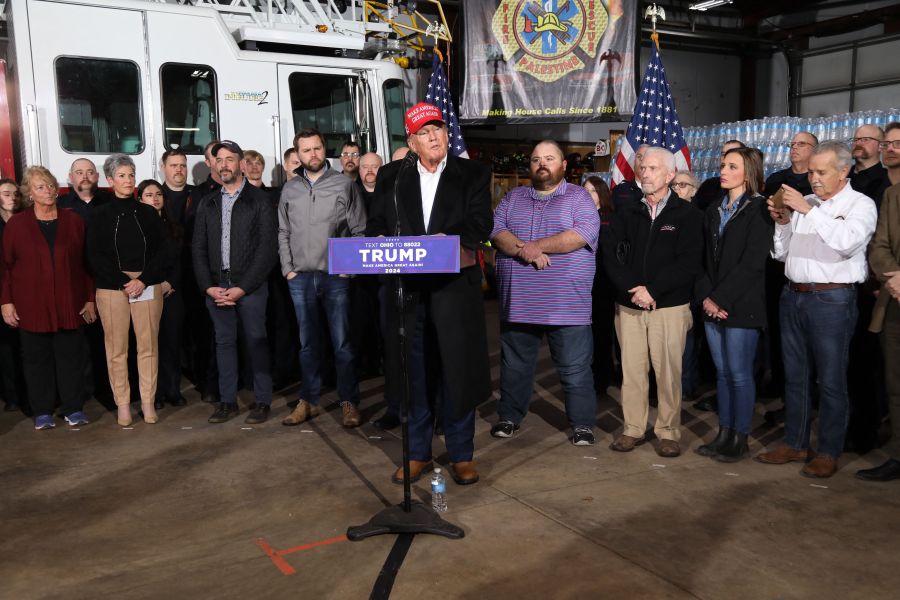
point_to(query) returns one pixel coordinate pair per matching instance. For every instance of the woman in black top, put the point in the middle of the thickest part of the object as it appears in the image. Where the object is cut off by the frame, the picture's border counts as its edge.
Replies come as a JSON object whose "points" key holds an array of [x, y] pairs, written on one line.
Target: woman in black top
{"points": [[738, 239], [168, 387], [603, 295], [12, 381], [127, 251]]}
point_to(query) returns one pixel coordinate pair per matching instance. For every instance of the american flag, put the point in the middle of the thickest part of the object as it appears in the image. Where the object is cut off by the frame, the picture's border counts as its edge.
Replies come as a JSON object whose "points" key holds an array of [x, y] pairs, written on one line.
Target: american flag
{"points": [[655, 122], [439, 96]]}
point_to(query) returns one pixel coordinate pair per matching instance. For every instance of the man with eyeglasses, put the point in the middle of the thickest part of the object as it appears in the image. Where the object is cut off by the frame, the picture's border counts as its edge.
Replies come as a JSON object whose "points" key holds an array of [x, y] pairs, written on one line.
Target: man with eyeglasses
{"points": [[884, 261], [350, 160], [629, 191], [863, 375], [890, 152], [447, 343], [84, 198], [711, 190], [868, 176], [317, 205]]}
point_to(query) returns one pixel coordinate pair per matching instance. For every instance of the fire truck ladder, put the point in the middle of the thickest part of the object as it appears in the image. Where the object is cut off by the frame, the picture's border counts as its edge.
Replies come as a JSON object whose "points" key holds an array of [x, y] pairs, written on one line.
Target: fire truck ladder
{"points": [[367, 27]]}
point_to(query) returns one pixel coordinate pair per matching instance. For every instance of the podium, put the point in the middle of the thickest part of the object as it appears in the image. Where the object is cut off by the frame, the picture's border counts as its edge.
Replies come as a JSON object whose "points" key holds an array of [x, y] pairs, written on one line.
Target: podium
{"points": [[401, 256]]}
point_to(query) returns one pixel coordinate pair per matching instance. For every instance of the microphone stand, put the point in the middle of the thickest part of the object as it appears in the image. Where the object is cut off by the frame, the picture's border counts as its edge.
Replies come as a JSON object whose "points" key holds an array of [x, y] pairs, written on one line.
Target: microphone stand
{"points": [[408, 517]]}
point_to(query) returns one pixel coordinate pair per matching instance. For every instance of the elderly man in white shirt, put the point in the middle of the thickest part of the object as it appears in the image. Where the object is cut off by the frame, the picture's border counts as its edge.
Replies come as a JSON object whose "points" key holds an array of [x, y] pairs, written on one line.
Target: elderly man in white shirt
{"points": [[822, 240]]}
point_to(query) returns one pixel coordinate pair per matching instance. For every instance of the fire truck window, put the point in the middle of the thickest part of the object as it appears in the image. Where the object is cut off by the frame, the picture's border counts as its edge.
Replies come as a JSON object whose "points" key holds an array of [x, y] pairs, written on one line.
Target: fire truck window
{"points": [[189, 106], [99, 106], [328, 103], [395, 109]]}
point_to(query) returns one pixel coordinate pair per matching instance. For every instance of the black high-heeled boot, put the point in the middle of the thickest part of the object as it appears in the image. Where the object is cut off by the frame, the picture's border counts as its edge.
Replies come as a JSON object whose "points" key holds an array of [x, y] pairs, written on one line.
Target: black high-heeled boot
{"points": [[734, 450], [722, 439]]}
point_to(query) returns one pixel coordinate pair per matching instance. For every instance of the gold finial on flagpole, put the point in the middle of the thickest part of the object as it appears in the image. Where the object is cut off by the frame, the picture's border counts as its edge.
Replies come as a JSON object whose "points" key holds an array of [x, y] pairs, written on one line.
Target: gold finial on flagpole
{"points": [[655, 12]]}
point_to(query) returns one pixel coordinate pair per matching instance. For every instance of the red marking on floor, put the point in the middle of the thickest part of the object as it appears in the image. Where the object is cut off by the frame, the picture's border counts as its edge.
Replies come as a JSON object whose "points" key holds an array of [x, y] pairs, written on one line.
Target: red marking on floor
{"points": [[276, 555]]}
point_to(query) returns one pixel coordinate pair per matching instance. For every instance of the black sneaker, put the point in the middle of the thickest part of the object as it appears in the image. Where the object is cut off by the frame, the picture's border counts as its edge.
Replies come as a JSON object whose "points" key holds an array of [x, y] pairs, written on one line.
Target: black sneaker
{"points": [[224, 412], [583, 437], [504, 429], [259, 414]]}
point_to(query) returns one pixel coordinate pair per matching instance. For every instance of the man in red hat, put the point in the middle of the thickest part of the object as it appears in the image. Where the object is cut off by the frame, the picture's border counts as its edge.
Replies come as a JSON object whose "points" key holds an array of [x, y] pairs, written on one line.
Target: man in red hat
{"points": [[447, 356]]}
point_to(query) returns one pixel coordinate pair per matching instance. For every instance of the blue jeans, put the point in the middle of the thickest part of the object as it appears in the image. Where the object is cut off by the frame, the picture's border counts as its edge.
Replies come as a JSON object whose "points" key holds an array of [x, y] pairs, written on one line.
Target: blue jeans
{"points": [[571, 348], [733, 351], [250, 312], [816, 328], [308, 291]]}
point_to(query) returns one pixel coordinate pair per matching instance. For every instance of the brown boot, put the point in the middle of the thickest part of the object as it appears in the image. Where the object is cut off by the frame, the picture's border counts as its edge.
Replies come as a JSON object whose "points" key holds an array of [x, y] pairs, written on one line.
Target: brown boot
{"points": [[783, 455], [350, 414], [821, 466], [303, 412], [464, 473], [625, 443], [416, 469]]}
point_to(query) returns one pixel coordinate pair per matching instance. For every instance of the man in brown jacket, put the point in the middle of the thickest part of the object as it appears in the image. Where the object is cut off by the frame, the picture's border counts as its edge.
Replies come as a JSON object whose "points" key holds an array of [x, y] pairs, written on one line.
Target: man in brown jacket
{"points": [[884, 260]]}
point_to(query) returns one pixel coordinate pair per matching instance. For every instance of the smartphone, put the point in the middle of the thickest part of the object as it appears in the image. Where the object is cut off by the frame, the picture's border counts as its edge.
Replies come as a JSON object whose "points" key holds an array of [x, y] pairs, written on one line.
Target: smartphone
{"points": [[778, 199]]}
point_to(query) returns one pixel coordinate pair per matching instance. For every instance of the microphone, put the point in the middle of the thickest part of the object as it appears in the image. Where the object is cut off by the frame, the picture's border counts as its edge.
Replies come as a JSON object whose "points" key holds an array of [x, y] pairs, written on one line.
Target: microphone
{"points": [[407, 163]]}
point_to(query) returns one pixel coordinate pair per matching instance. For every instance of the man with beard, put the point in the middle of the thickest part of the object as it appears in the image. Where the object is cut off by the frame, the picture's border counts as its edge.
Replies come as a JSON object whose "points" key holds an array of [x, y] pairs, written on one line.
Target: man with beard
{"points": [[84, 198], [447, 354], [350, 160], [368, 173], [870, 179], [176, 190], [546, 237], [233, 252], [317, 205], [868, 176], [653, 254]]}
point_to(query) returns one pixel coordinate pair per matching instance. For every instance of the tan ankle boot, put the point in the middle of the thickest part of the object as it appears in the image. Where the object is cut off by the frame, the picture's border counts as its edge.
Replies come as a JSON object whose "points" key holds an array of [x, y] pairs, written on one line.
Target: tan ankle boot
{"points": [[123, 415], [149, 411]]}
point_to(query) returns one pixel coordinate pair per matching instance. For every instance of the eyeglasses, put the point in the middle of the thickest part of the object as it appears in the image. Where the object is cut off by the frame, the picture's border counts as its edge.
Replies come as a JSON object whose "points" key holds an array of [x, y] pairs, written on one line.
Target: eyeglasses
{"points": [[799, 144], [682, 184], [895, 144], [349, 154], [861, 140]]}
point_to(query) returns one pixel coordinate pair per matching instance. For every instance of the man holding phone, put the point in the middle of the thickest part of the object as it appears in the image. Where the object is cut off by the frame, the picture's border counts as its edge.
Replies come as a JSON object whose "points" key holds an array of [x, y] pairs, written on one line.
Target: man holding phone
{"points": [[822, 240]]}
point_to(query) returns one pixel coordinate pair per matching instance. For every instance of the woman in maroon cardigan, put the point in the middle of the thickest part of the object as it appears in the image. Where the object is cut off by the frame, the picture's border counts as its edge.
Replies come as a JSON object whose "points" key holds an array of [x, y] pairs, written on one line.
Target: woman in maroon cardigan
{"points": [[46, 292]]}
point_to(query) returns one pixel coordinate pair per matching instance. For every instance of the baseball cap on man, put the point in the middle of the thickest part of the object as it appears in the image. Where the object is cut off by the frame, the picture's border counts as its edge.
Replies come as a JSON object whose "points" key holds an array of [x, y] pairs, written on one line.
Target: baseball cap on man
{"points": [[228, 145], [420, 115]]}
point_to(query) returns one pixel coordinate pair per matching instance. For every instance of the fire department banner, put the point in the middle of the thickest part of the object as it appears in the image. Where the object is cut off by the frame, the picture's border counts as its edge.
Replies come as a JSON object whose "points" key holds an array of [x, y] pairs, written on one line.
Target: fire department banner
{"points": [[530, 61]]}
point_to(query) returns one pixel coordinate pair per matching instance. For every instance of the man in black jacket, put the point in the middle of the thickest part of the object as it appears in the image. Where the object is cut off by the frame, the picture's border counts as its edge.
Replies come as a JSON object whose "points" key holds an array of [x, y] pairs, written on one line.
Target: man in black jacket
{"points": [[652, 254], [234, 249], [447, 347]]}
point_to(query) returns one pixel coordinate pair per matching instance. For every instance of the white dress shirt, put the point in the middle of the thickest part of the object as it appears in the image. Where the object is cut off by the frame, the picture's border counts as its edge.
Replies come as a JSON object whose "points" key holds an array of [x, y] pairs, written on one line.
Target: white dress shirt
{"points": [[428, 182], [828, 244]]}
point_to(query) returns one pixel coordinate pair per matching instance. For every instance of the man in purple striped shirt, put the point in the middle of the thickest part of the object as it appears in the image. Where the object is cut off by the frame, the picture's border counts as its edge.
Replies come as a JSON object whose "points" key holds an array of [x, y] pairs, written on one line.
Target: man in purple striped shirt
{"points": [[546, 240]]}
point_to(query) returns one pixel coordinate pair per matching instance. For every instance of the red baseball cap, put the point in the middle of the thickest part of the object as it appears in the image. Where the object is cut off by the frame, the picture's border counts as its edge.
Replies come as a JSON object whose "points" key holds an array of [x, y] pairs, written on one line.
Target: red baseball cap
{"points": [[420, 115]]}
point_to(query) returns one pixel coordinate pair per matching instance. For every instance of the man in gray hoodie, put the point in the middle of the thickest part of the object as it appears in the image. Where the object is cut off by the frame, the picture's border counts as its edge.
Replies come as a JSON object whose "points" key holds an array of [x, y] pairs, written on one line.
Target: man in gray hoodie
{"points": [[319, 204]]}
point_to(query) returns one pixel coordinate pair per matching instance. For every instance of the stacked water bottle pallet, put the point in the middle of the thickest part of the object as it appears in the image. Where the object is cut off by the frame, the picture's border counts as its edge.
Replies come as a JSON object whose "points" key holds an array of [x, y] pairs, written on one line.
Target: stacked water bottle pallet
{"points": [[772, 135]]}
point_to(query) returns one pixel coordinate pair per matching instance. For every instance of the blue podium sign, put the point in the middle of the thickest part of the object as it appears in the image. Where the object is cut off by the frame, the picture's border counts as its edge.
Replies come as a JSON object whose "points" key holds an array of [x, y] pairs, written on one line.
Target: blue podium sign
{"points": [[391, 255]]}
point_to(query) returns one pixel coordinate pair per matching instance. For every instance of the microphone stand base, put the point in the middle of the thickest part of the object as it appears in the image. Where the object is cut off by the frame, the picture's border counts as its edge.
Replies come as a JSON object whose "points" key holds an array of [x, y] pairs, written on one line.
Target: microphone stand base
{"points": [[393, 519]]}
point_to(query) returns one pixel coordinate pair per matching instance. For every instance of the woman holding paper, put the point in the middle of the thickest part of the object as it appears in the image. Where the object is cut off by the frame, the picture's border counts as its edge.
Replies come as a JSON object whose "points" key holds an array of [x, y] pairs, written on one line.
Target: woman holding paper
{"points": [[127, 251]]}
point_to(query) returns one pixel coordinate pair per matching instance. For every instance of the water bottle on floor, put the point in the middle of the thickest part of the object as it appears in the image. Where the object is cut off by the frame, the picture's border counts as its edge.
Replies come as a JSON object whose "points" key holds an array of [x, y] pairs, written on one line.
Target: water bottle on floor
{"points": [[438, 492]]}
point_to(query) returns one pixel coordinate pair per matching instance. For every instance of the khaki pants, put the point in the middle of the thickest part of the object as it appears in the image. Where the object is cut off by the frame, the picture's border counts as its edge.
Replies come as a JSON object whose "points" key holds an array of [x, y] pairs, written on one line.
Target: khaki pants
{"points": [[657, 335], [116, 314]]}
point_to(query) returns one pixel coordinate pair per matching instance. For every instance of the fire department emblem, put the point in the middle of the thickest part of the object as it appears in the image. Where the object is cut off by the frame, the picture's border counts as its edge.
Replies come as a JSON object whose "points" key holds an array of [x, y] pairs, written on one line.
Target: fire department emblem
{"points": [[550, 38]]}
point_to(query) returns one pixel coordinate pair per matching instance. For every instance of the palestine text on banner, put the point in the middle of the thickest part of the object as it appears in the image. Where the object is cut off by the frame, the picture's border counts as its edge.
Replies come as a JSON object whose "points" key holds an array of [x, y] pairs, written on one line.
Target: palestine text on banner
{"points": [[393, 255], [654, 123]]}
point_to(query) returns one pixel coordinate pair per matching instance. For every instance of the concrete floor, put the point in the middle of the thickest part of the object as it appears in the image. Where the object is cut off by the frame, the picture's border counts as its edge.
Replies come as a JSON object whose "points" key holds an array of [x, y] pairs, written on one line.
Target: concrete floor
{"points": [[185, 509]]}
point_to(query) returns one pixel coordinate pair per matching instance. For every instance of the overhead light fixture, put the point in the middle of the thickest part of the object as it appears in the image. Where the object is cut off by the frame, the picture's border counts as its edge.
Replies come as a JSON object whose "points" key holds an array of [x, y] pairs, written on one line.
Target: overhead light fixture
{"points": [[707, 4]]}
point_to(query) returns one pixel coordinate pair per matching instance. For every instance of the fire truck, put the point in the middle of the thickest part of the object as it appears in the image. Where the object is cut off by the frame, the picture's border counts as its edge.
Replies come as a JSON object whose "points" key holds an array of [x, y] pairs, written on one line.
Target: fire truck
{"points": [[89, 78]]}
